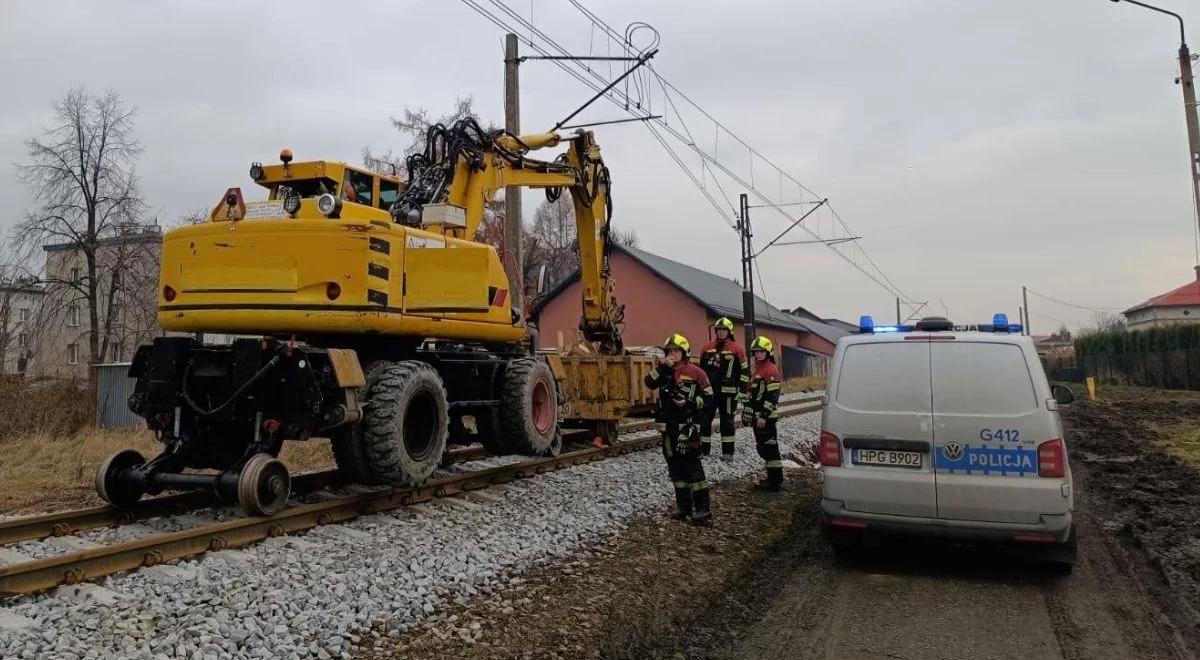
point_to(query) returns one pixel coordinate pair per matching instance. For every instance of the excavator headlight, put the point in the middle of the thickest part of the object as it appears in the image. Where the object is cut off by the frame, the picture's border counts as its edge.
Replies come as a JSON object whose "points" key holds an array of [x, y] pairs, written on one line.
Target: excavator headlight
{"points": [[256, 171], [291, 200], [329, 206]]}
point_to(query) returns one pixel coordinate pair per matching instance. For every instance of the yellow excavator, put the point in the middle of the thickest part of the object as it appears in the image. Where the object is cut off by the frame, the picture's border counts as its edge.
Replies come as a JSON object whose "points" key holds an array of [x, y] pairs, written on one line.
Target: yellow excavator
{"points": [[363, 310]]}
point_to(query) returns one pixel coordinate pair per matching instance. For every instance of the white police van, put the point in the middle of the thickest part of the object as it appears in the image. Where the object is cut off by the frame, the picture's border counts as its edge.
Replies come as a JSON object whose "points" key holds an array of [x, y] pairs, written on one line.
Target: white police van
{"points": [[948, 431]]}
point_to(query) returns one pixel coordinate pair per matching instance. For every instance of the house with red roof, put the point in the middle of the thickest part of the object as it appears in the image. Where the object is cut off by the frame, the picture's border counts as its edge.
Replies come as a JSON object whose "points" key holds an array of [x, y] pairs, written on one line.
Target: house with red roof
{"points": [[1180, 305]]}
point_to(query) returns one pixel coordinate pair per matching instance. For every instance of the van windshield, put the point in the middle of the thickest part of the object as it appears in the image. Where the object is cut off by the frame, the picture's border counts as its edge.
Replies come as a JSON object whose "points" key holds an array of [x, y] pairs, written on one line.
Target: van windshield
{"points": [[979, 378], [885, 377]]}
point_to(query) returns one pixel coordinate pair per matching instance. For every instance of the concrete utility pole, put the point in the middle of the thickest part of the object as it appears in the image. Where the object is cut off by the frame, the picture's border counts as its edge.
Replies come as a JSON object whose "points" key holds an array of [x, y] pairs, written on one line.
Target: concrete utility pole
{"points": [[898, 321], [1025, 301], [745, 234], [512, 195], [1189, 108]]}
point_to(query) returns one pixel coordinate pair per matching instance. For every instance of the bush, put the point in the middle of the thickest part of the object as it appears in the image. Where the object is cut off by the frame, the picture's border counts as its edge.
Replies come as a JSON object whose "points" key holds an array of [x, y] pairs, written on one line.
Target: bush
{"points": [[49, 407]]}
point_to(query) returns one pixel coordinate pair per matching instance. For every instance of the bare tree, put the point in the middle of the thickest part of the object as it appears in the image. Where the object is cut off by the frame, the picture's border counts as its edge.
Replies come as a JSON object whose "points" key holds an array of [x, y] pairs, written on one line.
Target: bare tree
{"points": [[1107, 322], [81, 171], [552, 240], [413, 124], [193, 217]]}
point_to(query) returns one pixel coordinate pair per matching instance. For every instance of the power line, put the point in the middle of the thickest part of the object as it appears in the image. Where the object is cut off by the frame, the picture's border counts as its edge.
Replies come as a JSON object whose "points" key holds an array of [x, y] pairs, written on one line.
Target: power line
{"points": [[1067, 304], [709, 163]]}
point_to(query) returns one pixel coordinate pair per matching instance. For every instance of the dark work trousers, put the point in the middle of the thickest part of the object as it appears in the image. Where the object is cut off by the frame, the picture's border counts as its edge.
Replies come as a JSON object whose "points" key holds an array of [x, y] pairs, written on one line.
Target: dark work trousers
{"points": [[723, 406], [686, 472], [766, 440]]}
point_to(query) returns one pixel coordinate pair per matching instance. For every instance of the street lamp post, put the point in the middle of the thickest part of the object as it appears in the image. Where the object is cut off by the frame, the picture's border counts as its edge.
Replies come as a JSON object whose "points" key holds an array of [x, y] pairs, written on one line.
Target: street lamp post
{"points": [[1189, 107]]}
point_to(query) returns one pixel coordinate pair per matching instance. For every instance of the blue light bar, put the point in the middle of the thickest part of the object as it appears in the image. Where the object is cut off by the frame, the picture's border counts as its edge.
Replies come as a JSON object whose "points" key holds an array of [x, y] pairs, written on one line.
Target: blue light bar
{"points": [[865, 324], [999, 320]]}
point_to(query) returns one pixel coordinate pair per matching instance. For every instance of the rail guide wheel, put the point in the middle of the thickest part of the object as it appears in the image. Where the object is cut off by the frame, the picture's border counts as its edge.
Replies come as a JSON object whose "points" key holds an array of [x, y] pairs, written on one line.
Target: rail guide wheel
{"points": [[113, 485], [263, 485]]}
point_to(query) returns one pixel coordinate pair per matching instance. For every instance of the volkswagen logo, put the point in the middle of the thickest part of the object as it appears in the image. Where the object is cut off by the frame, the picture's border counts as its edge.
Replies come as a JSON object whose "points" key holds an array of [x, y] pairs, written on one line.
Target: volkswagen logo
{"points": [[952, 451]]}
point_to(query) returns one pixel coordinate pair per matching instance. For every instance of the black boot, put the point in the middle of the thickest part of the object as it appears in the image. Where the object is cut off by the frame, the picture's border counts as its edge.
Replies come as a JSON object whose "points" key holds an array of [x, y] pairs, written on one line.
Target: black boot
{"points": [[705, 446], [702, 514], [683, 504], [775, 477], [771, 484]]}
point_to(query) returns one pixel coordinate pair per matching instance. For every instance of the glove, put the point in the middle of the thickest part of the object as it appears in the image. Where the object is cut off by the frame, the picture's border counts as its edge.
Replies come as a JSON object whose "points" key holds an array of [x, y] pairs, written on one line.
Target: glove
{"points": [[680, 400], [747, 417]]}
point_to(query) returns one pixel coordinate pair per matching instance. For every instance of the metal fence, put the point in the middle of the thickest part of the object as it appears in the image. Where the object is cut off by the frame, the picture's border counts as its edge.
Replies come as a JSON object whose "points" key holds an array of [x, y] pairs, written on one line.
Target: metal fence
{"points": [[1175, 369], [798, 362], [113, 387]]}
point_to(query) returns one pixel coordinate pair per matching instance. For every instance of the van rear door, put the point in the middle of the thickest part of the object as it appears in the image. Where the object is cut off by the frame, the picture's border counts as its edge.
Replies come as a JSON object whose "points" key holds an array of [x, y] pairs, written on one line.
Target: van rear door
{"points": [[880, 409], [988, 422]]}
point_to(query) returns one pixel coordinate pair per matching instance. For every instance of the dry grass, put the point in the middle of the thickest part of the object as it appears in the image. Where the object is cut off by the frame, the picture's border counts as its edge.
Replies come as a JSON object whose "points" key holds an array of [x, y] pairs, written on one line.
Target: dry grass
{"points": [[43, 472], [804, 384], [1183, 442]]}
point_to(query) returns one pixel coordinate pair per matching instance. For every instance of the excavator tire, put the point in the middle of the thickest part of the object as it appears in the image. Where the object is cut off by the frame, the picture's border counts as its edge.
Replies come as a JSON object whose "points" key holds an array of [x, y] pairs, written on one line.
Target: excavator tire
{"points": [[347, 442], [490, 435], [405, 423], [529, 408]]}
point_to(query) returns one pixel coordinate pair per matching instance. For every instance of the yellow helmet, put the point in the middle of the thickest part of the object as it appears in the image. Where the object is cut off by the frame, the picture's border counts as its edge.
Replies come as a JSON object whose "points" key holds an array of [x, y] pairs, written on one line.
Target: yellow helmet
{"points": [[724, 323], [677, 341], [762, 344]]}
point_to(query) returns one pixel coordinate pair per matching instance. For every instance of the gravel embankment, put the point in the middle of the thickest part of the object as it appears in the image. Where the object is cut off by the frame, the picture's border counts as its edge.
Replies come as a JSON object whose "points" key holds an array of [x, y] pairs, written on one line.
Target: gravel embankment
{"points": [[344, 586]]}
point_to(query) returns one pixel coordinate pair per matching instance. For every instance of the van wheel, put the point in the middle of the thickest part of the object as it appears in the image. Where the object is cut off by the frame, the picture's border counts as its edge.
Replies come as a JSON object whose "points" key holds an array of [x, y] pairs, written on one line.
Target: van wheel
{"points": [[405, 423], [846, 545], [1062, 558]]}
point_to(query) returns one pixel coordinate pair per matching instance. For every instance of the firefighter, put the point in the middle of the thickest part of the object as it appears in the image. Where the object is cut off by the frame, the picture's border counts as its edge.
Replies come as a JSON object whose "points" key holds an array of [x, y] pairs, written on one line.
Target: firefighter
{"points": [[760, 411], [724, 360], [683, 394]]}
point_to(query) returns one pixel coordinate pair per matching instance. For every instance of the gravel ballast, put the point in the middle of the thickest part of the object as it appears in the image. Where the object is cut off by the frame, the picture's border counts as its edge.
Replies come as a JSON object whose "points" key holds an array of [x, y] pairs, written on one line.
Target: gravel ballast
{"points": [[346, 586]]}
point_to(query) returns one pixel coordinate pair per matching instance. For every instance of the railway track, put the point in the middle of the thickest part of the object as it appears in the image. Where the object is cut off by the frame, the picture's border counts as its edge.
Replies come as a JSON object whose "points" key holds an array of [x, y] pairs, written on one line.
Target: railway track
{"points": [[78, 566]]}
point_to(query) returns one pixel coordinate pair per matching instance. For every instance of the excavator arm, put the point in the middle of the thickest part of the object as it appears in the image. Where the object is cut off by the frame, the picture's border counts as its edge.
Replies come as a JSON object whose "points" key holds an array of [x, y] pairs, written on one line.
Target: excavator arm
{"points": [[464, 166]]}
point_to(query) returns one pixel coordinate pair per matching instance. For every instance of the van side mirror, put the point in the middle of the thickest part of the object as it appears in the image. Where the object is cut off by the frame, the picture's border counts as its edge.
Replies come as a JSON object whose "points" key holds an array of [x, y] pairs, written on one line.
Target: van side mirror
{"points": [[1062, 394]]}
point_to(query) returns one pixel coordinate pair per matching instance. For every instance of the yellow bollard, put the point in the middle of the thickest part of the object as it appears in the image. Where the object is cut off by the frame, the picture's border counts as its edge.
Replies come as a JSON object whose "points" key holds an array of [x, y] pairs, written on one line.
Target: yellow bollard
{"points": [[1091, 388]]}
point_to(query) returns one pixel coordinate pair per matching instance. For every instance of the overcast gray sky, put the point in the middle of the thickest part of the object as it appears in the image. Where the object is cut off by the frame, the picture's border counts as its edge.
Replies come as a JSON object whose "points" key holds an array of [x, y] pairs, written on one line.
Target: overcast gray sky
{"points": [[976, 146]]}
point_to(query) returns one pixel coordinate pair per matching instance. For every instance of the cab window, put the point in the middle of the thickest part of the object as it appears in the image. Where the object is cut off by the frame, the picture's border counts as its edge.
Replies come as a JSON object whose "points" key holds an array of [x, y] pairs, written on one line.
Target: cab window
{"points": [[358, 188], [389, 192]]}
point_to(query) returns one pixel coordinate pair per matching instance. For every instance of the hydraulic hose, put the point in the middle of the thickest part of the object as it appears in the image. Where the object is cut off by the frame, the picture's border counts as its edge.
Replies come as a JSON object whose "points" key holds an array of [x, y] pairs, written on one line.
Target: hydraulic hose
{"points": [[271, 364]]}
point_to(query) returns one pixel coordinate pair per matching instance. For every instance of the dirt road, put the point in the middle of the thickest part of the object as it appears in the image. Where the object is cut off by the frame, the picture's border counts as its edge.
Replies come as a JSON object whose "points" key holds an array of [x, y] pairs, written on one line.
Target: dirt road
{"points": [[762, 583], [1131, 595], [930, 601]]}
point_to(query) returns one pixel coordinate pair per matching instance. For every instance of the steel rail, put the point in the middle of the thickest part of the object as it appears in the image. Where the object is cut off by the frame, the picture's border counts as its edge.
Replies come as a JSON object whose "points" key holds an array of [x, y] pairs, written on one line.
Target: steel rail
{"points": [[64, 523], [75, 567]]}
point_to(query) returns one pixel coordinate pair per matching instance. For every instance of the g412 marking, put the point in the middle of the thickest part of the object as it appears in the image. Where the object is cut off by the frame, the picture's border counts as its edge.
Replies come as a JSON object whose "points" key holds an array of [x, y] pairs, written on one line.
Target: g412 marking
{"points": [[1000, 435]]}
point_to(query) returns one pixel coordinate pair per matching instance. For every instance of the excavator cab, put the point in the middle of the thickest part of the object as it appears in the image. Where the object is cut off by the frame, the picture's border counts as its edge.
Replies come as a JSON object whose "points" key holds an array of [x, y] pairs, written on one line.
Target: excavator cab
{"points": [[296, 190]]}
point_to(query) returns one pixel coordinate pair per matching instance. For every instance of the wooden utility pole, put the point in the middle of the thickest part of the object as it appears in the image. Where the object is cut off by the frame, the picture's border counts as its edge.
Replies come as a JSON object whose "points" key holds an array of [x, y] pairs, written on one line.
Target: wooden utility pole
{"points": [[513, 260]]}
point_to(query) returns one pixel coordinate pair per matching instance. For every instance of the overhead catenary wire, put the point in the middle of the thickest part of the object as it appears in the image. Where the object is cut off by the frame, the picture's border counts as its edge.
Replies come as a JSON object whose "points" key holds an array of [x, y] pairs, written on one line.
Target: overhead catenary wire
{"points": [[1085, 308], [594, 80], [690, 141]]}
